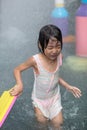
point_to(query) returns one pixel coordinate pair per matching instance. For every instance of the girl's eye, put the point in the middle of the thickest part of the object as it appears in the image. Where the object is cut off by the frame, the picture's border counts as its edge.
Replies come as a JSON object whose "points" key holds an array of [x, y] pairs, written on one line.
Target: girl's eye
{"points": [[58, 47], [50, 48]]}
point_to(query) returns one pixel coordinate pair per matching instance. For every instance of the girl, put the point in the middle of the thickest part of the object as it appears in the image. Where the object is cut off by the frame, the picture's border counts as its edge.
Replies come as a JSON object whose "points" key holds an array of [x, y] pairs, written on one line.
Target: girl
{"points": [[46, 97]]}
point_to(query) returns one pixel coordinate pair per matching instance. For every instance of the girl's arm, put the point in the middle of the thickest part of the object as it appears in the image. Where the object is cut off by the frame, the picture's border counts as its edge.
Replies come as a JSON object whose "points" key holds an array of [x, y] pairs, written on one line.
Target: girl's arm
{"points": [[18, 88], [74, 90]]}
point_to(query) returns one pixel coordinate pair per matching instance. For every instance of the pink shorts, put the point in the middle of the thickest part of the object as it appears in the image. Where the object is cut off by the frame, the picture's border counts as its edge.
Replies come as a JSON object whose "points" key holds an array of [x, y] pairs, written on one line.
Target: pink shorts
{"points": [[49, 107]]}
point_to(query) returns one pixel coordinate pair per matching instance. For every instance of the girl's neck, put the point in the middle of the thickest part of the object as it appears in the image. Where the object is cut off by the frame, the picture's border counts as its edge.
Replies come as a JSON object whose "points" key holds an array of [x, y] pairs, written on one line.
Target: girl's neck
{"points": [[47, 59], [48, 64]]}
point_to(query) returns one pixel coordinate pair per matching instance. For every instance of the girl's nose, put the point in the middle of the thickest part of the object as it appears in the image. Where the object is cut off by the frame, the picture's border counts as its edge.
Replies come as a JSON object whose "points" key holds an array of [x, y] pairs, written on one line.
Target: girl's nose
{"points": [[55, 50]]}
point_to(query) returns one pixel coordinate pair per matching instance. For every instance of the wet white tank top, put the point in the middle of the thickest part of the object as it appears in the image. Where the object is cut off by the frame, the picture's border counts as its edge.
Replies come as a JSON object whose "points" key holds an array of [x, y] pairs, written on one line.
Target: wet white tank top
{"points": [[46, 83]]}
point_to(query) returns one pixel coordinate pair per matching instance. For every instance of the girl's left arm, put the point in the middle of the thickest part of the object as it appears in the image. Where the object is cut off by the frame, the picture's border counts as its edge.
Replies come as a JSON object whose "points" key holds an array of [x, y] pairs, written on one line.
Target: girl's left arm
{"points": [[74, 90]]}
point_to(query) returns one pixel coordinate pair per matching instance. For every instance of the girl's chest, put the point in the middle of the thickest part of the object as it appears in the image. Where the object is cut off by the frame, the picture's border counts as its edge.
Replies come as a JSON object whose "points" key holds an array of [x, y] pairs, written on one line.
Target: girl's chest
{"points": [[50, 67]]}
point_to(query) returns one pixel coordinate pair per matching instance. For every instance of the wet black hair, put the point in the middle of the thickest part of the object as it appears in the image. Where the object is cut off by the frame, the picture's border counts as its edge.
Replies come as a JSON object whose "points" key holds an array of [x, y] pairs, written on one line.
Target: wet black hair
{"points": [[46, 33]]}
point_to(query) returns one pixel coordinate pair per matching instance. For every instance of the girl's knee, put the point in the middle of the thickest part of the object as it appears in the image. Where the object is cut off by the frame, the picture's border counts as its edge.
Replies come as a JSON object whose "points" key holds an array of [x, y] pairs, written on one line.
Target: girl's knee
{"points": [[57, 124], [58, 120]]}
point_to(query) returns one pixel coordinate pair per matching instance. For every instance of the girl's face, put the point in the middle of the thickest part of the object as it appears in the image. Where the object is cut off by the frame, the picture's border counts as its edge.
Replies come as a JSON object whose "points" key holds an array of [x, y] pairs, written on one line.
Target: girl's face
{"points": [[53, 49]]}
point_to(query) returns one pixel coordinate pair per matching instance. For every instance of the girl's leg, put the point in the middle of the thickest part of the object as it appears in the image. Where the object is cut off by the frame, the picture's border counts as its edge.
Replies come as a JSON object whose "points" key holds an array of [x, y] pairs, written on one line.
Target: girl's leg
{"points": [[39, 115], [58, 121]]}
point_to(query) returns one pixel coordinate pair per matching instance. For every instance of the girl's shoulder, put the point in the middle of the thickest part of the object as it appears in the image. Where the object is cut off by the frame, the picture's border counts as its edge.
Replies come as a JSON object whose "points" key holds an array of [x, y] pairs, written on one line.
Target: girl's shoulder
{"points": [[37, 55], [35, 58], [60, 58]]}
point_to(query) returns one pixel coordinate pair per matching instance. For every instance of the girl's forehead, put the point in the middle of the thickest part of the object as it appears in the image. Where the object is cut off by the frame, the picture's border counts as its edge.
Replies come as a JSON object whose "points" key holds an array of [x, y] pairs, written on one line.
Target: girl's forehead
{"points": [[53, 41]]}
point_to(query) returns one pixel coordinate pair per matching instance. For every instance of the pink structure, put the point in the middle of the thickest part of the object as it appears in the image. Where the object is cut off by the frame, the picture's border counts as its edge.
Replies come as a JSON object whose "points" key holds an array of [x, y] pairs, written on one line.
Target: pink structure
{"points": [[81, 29]]}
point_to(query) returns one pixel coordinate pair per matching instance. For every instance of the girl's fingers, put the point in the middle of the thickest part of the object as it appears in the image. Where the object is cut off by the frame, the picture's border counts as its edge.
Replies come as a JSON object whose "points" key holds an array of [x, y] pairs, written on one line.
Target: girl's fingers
{"points": [[16, 91], [77, 94], [13, 92]]}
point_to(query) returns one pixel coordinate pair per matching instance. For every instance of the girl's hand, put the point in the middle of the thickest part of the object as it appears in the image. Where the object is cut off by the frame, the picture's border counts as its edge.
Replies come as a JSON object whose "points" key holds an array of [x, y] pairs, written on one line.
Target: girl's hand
{"points": [[16, 90], [75, 91]]}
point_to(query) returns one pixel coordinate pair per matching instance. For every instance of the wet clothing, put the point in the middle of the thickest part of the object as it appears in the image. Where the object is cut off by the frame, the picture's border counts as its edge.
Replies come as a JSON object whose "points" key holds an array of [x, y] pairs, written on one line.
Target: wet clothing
{"points": [[46, 92]]}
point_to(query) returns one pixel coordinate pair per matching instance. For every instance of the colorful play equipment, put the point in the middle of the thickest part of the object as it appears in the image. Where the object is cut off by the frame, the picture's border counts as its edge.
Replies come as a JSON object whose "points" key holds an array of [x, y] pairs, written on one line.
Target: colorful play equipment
{"points": [[6, 103], [81, 29], [59, 16]]}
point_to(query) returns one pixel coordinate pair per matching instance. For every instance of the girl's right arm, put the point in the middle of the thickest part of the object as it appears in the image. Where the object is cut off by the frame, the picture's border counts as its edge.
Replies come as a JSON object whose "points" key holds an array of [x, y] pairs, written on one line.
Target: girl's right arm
{"points": [[18, 88]]}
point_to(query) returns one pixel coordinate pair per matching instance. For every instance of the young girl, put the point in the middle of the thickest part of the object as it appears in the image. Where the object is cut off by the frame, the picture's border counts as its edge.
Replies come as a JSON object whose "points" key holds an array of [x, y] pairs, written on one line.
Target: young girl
{"points": [[46, 91]]}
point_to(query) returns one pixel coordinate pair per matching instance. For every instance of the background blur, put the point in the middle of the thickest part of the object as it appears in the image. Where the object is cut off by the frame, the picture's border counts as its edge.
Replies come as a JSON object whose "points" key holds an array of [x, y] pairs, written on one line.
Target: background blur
{"points": [[20, 22]]}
